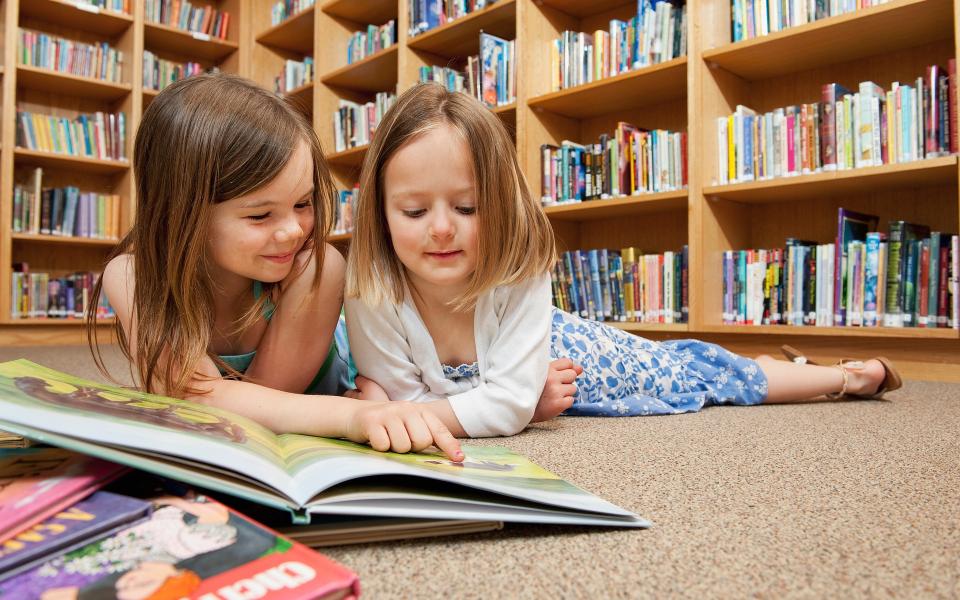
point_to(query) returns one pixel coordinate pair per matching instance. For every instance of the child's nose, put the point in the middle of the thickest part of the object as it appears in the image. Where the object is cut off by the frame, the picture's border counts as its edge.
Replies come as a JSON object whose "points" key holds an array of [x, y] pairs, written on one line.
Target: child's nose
{"points": [[290, 230], [441, 225]]}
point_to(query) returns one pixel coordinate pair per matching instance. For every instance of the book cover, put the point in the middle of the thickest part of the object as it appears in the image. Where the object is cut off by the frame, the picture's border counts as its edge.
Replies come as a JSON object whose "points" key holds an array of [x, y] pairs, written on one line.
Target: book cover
{"points": [[222, 451], [84, 522], [38, 482], [851, 226], [189, 547]]}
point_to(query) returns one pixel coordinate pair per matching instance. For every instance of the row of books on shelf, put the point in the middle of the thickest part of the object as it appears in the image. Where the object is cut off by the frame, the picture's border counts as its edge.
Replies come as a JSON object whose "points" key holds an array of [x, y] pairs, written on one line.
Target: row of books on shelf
{"points": [[490, 77], [425, 15], [284, 9], [64, 211], [376, 38], [845, 130], [158, 72], [99, 61], [354, 123], [906, 277], [296, 73], [754, 18], [656, 34], [48, 296], [99, 135], [623, 285], [632, 161], [182, 14], [346, 201], [122, 6]]}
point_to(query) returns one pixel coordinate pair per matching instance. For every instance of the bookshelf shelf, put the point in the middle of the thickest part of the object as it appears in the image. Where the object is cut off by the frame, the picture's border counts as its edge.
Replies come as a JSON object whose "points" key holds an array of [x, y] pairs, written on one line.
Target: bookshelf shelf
{"points": [[294, 34], [70, 322], [302, 95], [351, 157], [877, 30], [506, 109], [46, 80], [90, 19], [650, 327], [370, 11], [171, 39], [52, 160], [921, 173], [579, 8], [870, 332], [650, 85], [461, 37], [618, 207], [339, 238], [62, 240], [375, 73]]}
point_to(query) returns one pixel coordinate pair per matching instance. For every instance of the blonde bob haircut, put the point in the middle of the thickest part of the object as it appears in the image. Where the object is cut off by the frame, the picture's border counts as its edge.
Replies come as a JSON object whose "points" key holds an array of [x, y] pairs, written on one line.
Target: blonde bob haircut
{"points": [[515, 239], [202, 141]]}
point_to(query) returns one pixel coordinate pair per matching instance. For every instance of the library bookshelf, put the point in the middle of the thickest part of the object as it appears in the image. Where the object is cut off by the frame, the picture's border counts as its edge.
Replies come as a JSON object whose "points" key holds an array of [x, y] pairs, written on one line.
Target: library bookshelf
{"points": [[893, 41], [46, 91]]}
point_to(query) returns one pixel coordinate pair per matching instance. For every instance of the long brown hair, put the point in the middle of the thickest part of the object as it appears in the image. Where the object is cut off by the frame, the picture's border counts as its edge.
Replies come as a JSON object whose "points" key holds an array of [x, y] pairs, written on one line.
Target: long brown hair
{"points": [[515, 239], [202, 141]]}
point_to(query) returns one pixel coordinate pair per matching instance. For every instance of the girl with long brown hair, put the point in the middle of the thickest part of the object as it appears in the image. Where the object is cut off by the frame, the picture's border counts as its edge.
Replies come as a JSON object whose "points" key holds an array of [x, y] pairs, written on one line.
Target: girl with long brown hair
{"points": [[225, 290], [448, 295]]}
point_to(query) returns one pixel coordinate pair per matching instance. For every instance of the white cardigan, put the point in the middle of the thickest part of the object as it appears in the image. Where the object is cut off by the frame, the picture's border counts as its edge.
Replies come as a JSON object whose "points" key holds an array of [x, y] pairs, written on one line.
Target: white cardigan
{"points": [[391, 346]]}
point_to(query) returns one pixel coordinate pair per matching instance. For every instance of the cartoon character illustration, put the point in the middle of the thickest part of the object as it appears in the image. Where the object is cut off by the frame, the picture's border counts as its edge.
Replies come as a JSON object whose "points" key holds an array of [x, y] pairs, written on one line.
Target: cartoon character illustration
{"points": [[133, 408]]}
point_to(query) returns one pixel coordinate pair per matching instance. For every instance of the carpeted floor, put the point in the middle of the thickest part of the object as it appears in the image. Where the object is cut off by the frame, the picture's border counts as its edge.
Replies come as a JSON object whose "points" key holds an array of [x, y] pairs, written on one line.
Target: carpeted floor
{"points": [[854, 499]]}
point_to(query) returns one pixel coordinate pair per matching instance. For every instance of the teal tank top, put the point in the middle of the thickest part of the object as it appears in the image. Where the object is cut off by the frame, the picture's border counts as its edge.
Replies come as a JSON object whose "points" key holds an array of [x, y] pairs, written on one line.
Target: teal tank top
{"points": [[338, 371]]}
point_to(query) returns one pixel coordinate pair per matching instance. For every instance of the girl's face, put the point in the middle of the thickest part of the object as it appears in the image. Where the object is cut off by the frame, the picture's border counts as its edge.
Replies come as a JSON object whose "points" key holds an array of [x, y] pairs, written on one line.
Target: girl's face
{"points": [[257, 236], [430, 203]]}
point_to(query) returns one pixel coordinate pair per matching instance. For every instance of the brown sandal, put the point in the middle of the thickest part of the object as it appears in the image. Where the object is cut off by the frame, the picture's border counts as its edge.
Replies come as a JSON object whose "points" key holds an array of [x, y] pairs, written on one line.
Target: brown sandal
{"points": [[891, 379]]}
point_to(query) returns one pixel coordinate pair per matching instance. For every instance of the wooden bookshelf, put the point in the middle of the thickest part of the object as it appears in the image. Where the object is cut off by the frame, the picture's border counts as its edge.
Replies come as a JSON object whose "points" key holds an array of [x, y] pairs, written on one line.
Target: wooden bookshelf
{"points": [[50, 92], [881, 29], [893, 41]]}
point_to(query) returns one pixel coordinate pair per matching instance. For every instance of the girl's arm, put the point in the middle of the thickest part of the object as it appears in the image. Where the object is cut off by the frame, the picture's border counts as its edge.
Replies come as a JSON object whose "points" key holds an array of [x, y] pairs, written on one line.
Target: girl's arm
{"points": [[398, 426], [297, 340], [516, 363]]}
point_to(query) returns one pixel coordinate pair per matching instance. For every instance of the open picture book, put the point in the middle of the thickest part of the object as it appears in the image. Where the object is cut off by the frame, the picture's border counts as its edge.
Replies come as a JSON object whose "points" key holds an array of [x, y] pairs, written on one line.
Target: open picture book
{"points": [[305, 475]]}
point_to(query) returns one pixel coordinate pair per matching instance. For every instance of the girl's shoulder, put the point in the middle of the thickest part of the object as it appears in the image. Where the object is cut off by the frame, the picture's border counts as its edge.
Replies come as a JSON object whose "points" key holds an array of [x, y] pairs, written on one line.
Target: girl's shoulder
{"points": [[119, 268]]}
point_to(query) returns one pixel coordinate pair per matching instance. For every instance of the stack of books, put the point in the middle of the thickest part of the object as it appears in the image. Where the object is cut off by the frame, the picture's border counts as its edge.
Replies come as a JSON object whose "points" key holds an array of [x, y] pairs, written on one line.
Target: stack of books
{"points": [[284, 9], [656, 34], [623, 285], [182, 14], [631, 161], [64, 211], [753, 18], [354, 123], [346, 201], [158, 73], [428, 14], [904, 277], [295, 74], [99, 61], [99, 135], [376, 38], [845, 130], [490, 77], [199, 516], [47, 296]]}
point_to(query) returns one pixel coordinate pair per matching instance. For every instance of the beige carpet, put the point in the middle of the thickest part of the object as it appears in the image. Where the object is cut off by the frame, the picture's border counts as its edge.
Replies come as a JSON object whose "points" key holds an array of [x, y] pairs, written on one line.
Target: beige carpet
{"points": [[855, 499]]}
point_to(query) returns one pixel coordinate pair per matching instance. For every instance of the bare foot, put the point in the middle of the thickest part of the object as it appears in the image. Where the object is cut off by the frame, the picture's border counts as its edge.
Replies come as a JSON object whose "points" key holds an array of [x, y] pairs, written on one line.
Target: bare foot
{"points": [[865, 381]]}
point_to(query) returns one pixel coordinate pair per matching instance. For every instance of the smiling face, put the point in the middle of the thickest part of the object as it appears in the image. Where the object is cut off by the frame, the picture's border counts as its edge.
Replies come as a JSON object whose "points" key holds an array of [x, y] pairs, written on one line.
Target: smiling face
{"points": [[430, 203], [257, 236]]}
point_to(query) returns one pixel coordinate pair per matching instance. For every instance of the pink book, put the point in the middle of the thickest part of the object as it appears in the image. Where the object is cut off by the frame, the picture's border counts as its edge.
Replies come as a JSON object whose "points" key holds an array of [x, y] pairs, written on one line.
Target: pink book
{"points": [[38, 482]]}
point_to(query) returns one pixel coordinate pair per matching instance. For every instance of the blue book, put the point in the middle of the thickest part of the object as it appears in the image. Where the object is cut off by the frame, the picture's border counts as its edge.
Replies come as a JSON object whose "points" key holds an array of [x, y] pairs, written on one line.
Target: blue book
{"points": [[96, 517], [598, 304]]}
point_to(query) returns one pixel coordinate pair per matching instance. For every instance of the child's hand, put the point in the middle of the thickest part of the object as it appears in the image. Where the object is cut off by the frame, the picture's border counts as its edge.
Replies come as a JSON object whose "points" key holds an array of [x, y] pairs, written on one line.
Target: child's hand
{"points": [[401, 427], [558, 392]]}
